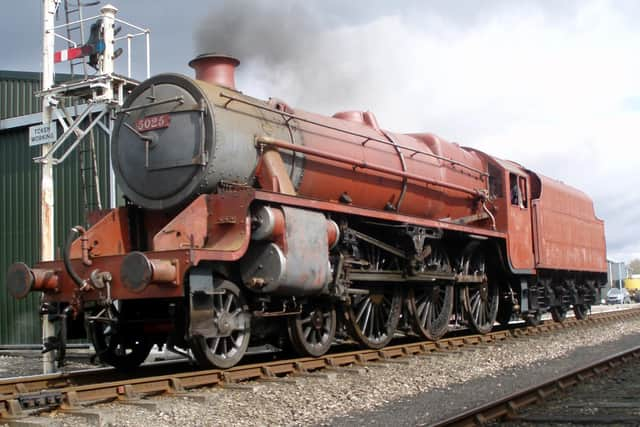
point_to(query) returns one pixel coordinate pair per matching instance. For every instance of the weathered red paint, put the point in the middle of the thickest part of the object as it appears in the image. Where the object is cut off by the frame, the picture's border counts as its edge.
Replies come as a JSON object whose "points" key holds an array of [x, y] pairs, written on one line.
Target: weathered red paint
{"points": [[568, 235], [518, 218], [109, 236], [373, 186]]}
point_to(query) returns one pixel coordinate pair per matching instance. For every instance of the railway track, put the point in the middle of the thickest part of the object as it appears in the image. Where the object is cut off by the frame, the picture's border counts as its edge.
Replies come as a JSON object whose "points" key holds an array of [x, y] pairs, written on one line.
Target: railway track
{"points": [[72, 392], [584, 396], [596, 399]]}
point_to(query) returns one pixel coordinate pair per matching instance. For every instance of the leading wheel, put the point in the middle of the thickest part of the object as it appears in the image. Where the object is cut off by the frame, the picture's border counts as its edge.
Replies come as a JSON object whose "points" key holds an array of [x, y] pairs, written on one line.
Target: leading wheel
{"points": [[373, 318], [312, 331], [231, 326], [124, 352], [480, 300]]}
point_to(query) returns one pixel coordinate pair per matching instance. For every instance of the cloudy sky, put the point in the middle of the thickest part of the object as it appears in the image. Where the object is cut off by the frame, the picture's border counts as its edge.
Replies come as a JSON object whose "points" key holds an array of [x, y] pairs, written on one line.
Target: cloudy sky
{"points": [[552, 85]]}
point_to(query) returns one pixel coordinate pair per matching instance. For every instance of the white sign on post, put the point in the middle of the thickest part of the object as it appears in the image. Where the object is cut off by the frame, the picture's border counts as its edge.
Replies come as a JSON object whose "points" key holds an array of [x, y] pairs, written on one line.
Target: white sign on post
{"points": [[43, 134]]}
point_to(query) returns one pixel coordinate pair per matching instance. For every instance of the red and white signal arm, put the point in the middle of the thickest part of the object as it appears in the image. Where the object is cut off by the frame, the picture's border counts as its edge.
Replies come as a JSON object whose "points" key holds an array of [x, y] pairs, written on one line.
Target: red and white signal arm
{"points": [[71, 53]]}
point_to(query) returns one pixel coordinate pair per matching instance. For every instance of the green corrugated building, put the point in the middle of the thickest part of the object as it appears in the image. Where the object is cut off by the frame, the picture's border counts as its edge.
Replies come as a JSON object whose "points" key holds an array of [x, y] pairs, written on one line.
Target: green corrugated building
{"points": [[20, 192]]}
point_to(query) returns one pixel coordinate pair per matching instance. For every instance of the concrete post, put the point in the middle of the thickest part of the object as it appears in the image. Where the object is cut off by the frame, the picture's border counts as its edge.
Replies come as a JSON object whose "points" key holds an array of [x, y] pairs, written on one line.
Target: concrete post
{"points": [[108, 21], [46, 188], [108, 67]]}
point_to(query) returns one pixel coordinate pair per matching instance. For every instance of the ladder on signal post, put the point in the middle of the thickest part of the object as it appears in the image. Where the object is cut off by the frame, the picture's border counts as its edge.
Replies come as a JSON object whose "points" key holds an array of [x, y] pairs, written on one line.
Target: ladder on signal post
{"points": [[74, 16], [89, 178]]}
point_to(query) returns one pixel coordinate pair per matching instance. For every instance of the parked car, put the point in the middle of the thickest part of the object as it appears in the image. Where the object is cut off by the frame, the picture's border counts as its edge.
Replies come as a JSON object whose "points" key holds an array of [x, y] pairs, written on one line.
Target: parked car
{"points": [[618, 296]]}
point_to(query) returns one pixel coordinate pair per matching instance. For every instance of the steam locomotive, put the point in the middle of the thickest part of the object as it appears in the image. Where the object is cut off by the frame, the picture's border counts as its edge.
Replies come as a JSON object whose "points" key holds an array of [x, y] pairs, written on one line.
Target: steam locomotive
{"points": [[251, 222]]}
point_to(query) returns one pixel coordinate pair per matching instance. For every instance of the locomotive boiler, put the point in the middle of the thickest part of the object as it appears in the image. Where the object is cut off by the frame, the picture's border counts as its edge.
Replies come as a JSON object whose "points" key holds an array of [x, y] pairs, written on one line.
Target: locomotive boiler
{"points": [[245, 218]]}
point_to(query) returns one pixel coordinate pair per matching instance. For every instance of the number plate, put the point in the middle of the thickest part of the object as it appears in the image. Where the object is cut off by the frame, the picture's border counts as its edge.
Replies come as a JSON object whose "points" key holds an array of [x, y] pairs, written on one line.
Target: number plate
{"points": [[153, 122]]}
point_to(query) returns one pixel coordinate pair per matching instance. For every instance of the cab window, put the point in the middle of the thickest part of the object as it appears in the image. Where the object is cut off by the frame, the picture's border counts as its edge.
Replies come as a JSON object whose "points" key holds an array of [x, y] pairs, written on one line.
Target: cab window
{"points": [[495, 181], [518, 188]]}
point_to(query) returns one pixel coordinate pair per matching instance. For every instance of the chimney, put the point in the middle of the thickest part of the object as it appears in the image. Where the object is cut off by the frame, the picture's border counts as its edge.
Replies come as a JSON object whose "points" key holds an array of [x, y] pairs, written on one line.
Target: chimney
{"points": [[215, 69]]}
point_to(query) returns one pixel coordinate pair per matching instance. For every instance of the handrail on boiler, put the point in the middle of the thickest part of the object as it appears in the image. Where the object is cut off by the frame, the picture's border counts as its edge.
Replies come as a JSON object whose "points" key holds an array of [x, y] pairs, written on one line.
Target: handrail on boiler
{"points": [[266, 140], [348, 132]]}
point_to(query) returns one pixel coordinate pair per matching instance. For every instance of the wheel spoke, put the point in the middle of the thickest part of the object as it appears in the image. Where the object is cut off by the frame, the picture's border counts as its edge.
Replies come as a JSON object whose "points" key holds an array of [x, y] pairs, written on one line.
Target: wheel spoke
{"points": [[366, 302], [419, 304], [425, 313], [475, 306], [216, 342], [224, 346], [307, 332], [369, 319]]}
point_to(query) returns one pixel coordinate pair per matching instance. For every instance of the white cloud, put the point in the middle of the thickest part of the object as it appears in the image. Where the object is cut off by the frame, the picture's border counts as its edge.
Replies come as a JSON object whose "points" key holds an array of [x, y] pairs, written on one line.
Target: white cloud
{"points": [[549, 93]]}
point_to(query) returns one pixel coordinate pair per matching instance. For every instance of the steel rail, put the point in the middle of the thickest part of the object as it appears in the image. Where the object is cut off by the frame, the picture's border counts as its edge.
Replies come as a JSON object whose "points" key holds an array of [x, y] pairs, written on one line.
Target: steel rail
{"points": [[23, 396], [508, 406]]}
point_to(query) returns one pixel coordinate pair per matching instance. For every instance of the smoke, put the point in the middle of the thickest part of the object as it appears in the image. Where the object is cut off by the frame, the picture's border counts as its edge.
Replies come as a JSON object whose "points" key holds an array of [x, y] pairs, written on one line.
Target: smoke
{"points": [[545, 85], [306, 52], [259, 30]]}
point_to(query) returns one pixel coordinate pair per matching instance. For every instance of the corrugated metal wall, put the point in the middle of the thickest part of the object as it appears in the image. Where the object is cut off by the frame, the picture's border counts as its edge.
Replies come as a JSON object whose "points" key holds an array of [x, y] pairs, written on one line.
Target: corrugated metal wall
{"points": [[20, 207], [19, 233], [16, 94]]}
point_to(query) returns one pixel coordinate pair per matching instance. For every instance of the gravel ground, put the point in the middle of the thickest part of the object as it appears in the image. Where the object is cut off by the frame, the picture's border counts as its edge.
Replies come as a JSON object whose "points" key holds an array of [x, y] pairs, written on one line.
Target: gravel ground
{"points": [[419, 391], [13, 364]]}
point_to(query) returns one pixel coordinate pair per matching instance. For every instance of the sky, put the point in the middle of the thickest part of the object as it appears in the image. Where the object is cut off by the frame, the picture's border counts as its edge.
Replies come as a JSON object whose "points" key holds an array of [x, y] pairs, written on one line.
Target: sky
{"points": [[552, 85]]}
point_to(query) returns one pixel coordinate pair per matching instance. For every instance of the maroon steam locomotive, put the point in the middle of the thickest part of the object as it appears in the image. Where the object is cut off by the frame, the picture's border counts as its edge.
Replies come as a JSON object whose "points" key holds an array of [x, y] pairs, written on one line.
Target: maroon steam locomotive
{"points": [[252, 222]]}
